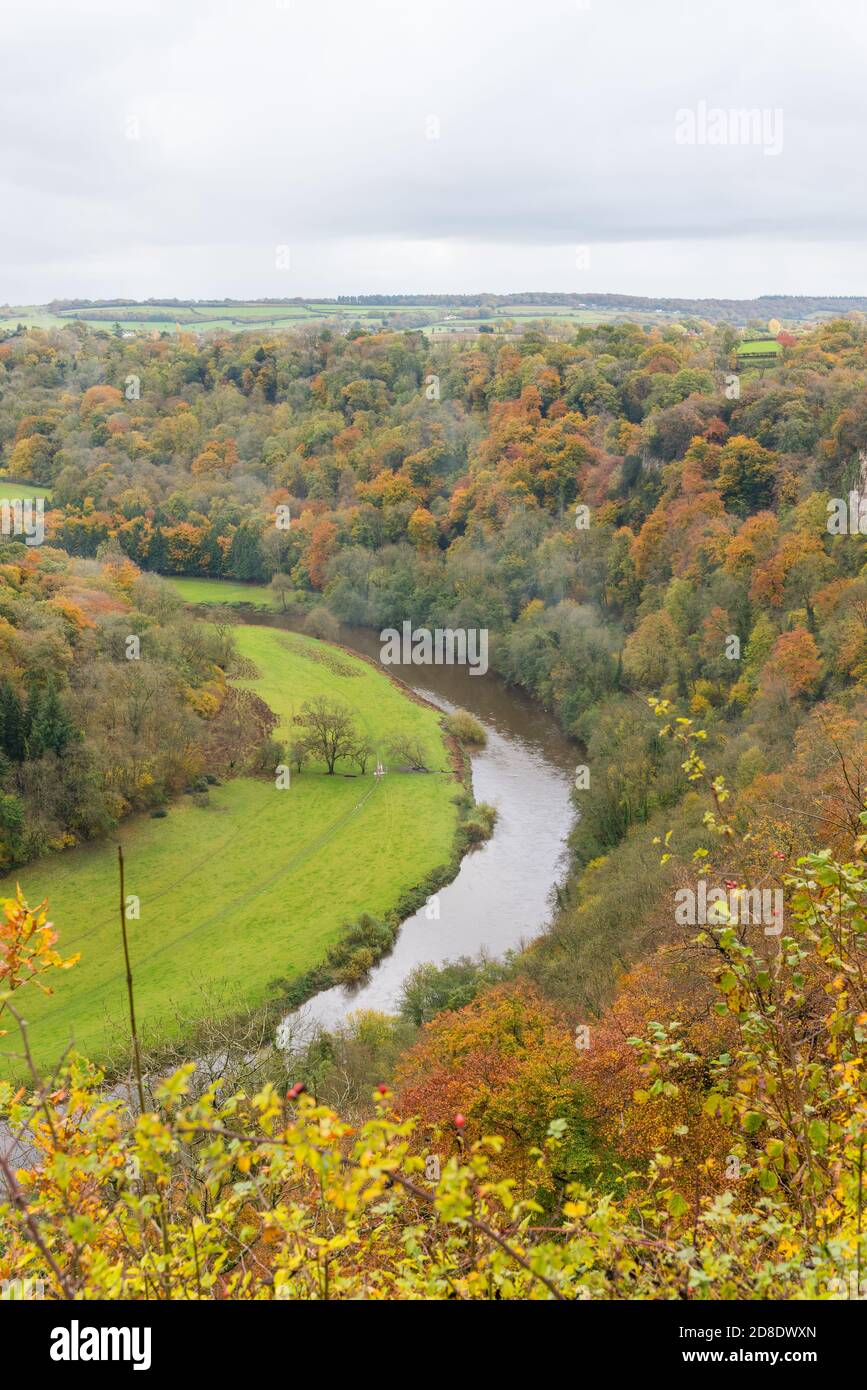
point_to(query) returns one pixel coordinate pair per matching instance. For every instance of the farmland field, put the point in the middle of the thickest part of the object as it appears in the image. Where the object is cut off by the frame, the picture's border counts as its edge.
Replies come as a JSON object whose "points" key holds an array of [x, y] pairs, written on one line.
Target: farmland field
{"points": [[208, 318], [203, 318], [248, 884]]}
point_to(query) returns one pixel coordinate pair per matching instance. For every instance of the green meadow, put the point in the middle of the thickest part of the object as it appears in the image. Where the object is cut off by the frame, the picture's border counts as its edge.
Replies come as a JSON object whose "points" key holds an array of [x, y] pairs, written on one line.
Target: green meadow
{"points": [[248, 885], [225, 591], [758, 352], [13, 492]]}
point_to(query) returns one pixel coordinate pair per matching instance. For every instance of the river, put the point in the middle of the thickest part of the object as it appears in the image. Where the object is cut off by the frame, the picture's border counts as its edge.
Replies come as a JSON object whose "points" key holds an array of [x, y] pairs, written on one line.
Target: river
{"points": [[501, 896]]}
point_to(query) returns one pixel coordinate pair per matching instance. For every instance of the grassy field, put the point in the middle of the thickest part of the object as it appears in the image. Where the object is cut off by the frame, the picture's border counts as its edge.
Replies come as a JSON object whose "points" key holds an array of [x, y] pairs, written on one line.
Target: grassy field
{"points": [[225, 591], [13, 492], [759, 347], [251, 887]]}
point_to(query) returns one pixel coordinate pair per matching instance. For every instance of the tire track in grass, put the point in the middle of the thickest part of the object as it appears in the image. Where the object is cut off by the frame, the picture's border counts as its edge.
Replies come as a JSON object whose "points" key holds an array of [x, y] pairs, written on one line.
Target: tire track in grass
{"points": [[247, 896], [175, 883]]}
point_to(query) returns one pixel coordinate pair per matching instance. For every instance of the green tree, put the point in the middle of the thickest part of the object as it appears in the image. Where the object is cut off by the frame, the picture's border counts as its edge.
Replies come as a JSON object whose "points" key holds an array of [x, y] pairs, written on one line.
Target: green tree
{"points": [[51, 729], [12, 723]]}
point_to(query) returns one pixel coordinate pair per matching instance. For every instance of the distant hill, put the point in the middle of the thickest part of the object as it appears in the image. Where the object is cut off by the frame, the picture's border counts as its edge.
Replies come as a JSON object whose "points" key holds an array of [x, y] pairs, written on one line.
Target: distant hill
{"points": [[428, 313], [784, 307]]}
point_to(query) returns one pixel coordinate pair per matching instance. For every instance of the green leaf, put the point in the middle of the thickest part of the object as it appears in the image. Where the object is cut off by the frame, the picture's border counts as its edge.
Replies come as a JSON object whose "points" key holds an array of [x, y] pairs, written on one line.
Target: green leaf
{"points": [[818, 1135]]}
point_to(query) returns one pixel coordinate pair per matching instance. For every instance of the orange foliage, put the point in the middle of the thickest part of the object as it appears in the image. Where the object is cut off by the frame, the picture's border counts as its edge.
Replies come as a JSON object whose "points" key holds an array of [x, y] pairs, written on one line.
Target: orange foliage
{"points": [[218, 456], [795, 656], [100, 398], [507, 1063], [662, 988], [71, 613], [323, 544]]}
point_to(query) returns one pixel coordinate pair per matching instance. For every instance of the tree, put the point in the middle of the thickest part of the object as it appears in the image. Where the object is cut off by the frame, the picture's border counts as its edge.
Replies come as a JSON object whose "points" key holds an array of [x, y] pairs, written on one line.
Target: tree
{"points": [[12, 723], [100, 398], [217, 457], [51, 729], [323, 543], [331, 733], [430, 989], [11, 828], [422, 529], [650, 655], [747, 474], [409, 751], [321, 622], [282, 585], [796, 657], [245, 559], [508, 1063], [362, 752], [299, 750]]}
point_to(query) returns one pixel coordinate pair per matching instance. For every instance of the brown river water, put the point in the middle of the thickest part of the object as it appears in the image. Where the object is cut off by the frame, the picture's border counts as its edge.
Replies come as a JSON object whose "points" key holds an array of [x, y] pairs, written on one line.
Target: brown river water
{"points": [[501, 896]]}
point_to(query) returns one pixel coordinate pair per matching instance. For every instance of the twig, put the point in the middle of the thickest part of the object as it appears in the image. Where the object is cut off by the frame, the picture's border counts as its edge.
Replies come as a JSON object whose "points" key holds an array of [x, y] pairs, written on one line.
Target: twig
{"points": [[135, 1046]]}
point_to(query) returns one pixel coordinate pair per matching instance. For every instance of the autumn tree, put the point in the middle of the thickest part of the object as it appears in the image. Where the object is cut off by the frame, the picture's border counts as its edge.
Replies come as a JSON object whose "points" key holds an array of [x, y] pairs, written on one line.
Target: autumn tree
{"points": [[218, 456], [747, 473], [506, 1062], [422, 529], [795, 657]]}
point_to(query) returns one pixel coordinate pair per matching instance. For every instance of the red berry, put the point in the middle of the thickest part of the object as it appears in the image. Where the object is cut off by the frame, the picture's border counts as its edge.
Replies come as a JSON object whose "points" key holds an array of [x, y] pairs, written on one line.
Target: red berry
{"points": [[460, 1121], [294, 1091], [382, 1088]]}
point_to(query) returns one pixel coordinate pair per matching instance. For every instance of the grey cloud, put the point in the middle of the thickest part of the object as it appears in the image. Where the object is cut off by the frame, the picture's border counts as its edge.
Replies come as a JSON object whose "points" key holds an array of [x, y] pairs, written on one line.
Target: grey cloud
{"points": [[261, 124]]}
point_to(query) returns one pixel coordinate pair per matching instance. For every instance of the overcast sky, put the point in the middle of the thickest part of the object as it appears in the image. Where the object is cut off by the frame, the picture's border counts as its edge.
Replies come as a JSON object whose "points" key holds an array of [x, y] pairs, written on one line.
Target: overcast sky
{"points": [[278, 147]]}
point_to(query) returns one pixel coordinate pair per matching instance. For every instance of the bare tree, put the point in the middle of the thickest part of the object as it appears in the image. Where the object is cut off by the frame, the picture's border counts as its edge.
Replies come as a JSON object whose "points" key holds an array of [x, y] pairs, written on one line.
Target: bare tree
{"points": [[409, 751], [362, 753], [330, 731], [298, 751]]}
